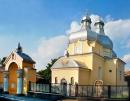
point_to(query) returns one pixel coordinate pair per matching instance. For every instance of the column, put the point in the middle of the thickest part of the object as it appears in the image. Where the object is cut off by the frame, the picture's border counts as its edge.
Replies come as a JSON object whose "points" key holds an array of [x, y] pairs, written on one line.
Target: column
{"points": [[6, 76], [19, 81]]}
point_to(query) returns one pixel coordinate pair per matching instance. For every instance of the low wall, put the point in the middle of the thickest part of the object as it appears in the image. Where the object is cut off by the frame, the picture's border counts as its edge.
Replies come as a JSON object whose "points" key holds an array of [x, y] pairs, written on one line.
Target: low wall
{"points": [[49, 96]]}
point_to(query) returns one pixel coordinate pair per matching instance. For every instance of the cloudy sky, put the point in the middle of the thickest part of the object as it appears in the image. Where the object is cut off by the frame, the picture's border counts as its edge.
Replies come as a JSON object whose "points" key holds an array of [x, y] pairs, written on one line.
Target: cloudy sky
{"points": [[41, 26]]}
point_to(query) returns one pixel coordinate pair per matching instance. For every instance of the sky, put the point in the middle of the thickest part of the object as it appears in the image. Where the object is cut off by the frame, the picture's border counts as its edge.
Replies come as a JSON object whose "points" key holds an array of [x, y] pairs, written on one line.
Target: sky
{"points": [[41, 26]]}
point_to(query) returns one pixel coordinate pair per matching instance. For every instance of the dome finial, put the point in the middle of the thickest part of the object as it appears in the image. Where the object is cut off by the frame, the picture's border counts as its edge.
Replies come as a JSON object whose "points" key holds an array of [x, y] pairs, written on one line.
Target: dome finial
{"points": [[19, 49], [86, 21], [99, 24]]}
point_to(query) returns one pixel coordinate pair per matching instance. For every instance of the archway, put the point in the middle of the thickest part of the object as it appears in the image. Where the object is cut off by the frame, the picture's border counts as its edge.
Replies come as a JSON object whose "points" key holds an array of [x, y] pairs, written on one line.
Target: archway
{"points": [[64, 87], [13, 78]]}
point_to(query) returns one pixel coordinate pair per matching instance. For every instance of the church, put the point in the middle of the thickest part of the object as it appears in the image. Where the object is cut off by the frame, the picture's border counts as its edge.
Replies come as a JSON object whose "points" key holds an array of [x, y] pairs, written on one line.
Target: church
{"points": [[89, 58], [19, 70]]}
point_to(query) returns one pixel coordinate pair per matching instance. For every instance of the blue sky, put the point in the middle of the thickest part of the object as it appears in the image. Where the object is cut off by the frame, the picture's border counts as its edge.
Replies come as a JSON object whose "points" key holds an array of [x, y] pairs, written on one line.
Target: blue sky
{"points": [[36, 22]]}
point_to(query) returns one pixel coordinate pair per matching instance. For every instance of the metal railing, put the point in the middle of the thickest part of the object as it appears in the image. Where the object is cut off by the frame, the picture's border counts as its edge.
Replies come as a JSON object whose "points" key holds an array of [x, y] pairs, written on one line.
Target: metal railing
{"points": [[106, 91]]}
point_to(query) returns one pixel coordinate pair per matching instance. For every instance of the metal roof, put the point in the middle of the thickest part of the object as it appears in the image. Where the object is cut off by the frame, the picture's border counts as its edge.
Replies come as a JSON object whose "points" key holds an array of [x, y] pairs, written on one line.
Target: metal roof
{"points": [[25, 57]]}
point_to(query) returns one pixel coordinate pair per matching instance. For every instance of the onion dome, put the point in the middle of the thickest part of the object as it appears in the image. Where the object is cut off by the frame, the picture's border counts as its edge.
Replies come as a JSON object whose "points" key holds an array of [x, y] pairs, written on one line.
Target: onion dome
{"points": [[99, 25], [105, 41], [113, 54], [86, 22]]}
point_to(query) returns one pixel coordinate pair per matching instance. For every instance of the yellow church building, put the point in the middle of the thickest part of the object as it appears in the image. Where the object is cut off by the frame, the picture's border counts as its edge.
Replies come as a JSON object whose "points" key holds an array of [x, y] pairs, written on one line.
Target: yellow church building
{"points": [[89, 58], [19, 70]]}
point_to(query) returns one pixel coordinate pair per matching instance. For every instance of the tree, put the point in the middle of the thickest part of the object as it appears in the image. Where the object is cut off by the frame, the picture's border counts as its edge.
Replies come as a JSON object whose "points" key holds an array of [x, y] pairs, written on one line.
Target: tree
{"points": [[46, 74], [2, 61]]}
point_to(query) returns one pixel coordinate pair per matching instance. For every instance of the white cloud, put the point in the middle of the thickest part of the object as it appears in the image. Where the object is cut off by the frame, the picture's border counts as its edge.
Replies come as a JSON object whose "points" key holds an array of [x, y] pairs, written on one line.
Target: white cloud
{"points": [[118, 29], [49, 49], [108, 18], [126, 58], [127, 44], [74, 26]]}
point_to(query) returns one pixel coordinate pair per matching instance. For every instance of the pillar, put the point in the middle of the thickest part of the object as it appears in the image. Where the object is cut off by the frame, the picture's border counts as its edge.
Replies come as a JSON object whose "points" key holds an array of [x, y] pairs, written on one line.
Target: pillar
{"points": [[6, 76], [19, 81]]}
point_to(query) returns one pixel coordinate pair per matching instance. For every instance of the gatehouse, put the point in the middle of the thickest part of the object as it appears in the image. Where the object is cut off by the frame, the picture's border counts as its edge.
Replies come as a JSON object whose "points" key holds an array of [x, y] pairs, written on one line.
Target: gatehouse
{"points": [[18, 72]]}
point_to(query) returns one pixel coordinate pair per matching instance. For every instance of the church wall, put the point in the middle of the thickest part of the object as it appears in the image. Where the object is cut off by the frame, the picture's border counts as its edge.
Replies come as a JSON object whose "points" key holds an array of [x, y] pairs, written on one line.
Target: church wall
{"points": [[98, 49], [71, 49], [98, 62], [85, 47], [116, 76], [120, 73], [65, 73], [110, 72], [84, 76], [85, 59]]}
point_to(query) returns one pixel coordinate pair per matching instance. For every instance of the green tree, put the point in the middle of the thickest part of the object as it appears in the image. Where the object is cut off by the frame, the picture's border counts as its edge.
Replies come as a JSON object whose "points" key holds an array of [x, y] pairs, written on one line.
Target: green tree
{"points": [[2, 61], [46, 73]]}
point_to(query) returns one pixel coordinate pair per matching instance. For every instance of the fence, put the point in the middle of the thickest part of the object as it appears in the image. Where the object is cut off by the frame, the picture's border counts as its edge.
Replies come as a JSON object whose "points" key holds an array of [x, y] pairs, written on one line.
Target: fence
{"points": [[1, 87], [82, 90]]}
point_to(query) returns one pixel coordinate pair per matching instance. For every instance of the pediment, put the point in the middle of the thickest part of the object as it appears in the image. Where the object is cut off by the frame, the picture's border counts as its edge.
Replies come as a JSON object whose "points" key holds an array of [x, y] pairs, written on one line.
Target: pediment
{"points": [[13, 57]]}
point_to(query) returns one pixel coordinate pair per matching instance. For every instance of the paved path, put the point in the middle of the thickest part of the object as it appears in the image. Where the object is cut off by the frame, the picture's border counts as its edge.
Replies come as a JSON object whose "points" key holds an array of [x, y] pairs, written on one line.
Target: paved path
{"points": [[20, 98]]}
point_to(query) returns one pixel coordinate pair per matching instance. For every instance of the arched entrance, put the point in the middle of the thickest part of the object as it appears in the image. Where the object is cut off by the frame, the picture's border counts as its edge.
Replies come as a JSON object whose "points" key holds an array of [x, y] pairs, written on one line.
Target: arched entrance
{"points": [[13, 78], [99, 88], [64, 86]]}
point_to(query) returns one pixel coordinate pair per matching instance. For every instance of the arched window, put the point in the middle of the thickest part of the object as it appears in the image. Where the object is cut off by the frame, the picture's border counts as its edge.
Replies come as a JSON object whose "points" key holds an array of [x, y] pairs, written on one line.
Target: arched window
{"points": [[72, 80], [56, 80], [99, 73]]}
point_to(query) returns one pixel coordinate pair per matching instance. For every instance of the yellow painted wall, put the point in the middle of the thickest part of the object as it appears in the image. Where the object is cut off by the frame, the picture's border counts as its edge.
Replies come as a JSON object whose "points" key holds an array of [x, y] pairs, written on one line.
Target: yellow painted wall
{"points": [[86, 60], [1, 77], [120, 73], [65, 73], [86, 48], [110, 77], [98, 62], [84, 76]]}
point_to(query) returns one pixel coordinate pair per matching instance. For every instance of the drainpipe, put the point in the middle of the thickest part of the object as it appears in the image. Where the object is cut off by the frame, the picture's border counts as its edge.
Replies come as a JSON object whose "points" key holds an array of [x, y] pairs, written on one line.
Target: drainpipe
{"points": [[116, 76]]}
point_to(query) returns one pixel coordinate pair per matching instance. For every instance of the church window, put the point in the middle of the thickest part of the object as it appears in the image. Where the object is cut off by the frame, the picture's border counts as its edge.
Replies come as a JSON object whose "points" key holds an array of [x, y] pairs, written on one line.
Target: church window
{"points": [[78, 48], [120, 75], [56, 80], [107, 53], [110, 70], [72, 80], [100, 73], [13, 56]]}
